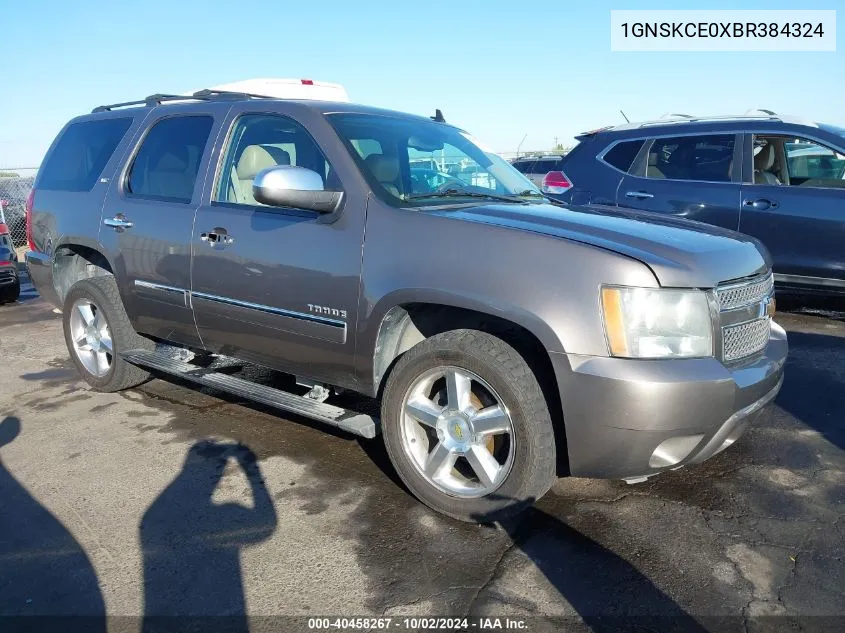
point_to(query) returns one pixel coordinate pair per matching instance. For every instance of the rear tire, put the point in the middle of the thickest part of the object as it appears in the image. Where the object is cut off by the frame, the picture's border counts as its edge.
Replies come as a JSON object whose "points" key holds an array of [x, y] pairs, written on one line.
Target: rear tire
{"points": [[97, 331], [10, 294], [481, 456]]}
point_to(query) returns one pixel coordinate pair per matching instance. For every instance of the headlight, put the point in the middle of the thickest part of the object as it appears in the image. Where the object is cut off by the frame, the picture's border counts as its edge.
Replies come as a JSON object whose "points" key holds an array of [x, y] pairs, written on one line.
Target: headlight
{"points": [[657, 322]]}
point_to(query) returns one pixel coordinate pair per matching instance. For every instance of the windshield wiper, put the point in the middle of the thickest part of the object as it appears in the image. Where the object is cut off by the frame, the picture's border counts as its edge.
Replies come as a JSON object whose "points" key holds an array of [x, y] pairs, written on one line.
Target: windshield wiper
{"points": [[458, 193], [529, 193]]}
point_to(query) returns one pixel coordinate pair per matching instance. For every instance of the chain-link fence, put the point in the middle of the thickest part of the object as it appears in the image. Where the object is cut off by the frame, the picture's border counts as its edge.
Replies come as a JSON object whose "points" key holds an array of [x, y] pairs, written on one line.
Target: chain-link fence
{"points": [[15, 184]]}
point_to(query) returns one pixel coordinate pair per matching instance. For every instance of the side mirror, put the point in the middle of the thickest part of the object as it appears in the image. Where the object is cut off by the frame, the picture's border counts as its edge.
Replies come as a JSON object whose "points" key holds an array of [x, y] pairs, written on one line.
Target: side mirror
{"points": [[287, 186]]}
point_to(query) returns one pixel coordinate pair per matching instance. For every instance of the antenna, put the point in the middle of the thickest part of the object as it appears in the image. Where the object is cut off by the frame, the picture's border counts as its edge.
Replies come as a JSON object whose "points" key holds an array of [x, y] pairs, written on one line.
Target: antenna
{"points": [[438, 116], [627, 120]]}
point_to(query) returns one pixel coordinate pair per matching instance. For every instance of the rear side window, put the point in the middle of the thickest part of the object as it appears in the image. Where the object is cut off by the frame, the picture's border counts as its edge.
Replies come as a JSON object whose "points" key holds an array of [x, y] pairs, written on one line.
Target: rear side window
{"points": [[81, 154], [547, 165], [706, 158], [524, 166], [168, 161], [622, 155]]}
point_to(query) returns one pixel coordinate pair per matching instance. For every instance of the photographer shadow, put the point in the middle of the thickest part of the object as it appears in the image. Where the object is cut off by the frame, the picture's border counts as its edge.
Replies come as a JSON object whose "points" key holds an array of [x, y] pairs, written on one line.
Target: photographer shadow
{"points": [[608, 593], [191, 545], [45, 574]]}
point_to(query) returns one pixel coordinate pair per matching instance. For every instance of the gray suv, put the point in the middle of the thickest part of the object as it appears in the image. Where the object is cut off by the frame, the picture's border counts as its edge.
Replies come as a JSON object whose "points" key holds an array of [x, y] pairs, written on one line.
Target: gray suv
{"points": [[506, 341]]}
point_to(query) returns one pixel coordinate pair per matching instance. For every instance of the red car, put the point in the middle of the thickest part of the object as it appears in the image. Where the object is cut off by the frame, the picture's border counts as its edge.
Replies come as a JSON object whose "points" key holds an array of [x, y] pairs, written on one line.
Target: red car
{"points": [[10, 283]]}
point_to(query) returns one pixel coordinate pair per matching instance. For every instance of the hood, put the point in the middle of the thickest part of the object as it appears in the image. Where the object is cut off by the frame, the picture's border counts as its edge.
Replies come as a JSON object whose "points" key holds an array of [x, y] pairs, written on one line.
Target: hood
{"points": [[681, 253]]}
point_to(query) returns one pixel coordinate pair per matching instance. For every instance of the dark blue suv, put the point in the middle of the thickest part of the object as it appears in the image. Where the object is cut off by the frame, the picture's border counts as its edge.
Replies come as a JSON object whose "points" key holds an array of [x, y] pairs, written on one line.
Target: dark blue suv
{"points": [[774, 178]]}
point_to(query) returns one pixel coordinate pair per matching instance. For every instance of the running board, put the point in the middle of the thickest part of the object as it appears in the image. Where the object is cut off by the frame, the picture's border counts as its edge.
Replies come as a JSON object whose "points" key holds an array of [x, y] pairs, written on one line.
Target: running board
{"points": [[350, 421]]}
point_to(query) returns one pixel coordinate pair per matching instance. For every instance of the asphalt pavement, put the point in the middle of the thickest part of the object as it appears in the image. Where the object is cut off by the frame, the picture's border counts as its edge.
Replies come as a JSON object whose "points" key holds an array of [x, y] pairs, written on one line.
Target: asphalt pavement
{"points": [[169, 501]]}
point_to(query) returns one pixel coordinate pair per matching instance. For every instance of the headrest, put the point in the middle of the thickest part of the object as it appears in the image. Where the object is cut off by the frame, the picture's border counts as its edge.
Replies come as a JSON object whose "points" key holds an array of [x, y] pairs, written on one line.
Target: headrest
{"points": [[256, 158], [384, 168], [174, 161], [652, 159], [765, 158]]}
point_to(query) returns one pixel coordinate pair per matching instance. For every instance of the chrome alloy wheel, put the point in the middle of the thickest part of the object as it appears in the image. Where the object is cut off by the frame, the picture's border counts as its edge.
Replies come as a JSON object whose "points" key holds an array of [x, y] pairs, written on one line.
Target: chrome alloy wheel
{"points": [[92, 341], [457, 432]]}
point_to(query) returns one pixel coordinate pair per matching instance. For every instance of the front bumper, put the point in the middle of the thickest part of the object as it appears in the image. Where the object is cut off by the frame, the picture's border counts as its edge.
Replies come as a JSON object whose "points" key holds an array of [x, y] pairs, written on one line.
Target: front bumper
{"points": [[40, 269], [630, 419]]}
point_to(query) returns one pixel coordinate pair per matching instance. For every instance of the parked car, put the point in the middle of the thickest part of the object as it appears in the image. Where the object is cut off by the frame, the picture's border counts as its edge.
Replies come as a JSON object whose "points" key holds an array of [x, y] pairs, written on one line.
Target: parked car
{"points": [[507, 341], [775, 178], [10, 283], [545, 171]]}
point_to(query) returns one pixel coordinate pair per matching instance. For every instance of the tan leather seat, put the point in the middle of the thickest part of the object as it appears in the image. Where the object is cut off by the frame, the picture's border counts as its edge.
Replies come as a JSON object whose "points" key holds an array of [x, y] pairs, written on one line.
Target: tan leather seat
{"points": [[385, 169], [763, 163], [171, 176], [254, 158]]}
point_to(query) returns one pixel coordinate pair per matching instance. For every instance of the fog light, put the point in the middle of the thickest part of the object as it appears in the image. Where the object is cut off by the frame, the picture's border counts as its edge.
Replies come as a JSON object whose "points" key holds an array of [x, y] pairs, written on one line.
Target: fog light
{"points": [[673, 450]]}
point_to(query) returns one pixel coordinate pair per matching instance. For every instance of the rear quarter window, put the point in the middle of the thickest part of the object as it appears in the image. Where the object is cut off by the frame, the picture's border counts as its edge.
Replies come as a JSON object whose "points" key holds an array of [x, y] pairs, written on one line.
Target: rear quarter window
{"points": [[81, 154], [622, 154]]}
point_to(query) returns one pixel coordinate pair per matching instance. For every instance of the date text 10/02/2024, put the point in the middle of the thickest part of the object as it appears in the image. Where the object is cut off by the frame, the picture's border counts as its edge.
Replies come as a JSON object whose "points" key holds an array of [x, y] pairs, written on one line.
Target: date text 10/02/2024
{"points": [[416, 624]]}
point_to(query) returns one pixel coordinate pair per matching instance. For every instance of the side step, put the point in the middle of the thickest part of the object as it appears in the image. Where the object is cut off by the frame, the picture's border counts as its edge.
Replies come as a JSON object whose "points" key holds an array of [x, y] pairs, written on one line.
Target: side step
{"points": [[350, 421]]}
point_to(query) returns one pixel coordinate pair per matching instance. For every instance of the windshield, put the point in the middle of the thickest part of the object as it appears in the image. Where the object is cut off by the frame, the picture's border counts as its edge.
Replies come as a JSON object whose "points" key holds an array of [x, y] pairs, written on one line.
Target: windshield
{"points": [[415, 162]]}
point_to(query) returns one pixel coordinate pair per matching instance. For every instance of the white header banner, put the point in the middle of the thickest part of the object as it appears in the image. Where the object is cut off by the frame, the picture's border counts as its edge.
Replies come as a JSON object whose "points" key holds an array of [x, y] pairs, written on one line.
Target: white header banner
{"points": [[723, 30]]}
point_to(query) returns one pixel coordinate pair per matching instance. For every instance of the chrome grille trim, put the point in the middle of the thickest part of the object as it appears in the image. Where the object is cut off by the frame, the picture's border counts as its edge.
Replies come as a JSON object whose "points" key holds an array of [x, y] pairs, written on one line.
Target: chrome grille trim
{"points": [[736, 295], [744, 340], [744, 316]]}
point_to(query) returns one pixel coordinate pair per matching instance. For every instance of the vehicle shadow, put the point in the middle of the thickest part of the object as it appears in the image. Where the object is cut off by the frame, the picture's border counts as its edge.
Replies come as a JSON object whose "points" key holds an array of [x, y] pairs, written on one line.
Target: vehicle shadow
{"points": [[44, 571], [606, 591], [191, 545], [812, 368]]}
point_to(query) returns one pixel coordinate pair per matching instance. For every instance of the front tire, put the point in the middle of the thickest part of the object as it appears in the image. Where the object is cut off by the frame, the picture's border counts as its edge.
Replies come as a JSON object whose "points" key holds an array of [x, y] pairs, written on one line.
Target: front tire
{"points": [[97, 330], [467, 427]]}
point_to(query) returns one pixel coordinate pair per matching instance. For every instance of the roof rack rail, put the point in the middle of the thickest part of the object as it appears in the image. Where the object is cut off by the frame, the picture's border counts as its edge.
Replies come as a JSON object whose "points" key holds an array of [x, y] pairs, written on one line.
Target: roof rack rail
{"points": [[753, 111], [201, 95], [152, 100], [750, 115], [671, 115], [211, 93]]}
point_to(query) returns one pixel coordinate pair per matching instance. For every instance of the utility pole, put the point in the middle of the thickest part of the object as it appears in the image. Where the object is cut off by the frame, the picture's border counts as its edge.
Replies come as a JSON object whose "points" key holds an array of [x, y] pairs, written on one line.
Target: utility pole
{"points": [[520, 144], [556, 143]]}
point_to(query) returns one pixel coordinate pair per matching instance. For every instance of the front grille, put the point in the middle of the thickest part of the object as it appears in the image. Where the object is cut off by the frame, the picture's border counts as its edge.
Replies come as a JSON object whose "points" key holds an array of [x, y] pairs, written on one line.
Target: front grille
{"points": [[744, 315], [746, 339], [736, 295]]}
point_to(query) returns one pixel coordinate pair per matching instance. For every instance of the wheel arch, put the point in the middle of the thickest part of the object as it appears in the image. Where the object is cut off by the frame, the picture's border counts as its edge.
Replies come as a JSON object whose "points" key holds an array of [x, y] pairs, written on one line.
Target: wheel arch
{"points": [[406, 324], [73, 261]]}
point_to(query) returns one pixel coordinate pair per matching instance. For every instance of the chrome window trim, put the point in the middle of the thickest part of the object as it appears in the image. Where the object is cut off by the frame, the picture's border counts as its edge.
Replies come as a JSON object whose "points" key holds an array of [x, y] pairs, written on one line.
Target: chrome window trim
{"points": [[654, 137]]}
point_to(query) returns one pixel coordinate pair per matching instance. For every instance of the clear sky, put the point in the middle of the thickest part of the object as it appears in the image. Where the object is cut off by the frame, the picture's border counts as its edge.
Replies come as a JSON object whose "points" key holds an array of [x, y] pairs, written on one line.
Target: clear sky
{"points": [[499, 68]]}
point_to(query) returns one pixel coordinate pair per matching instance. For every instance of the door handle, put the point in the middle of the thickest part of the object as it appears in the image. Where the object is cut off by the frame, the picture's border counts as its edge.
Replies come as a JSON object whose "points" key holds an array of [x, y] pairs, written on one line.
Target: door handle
{"points": [[119, 223], [217, 235], [639, 195], [759, 205]]}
